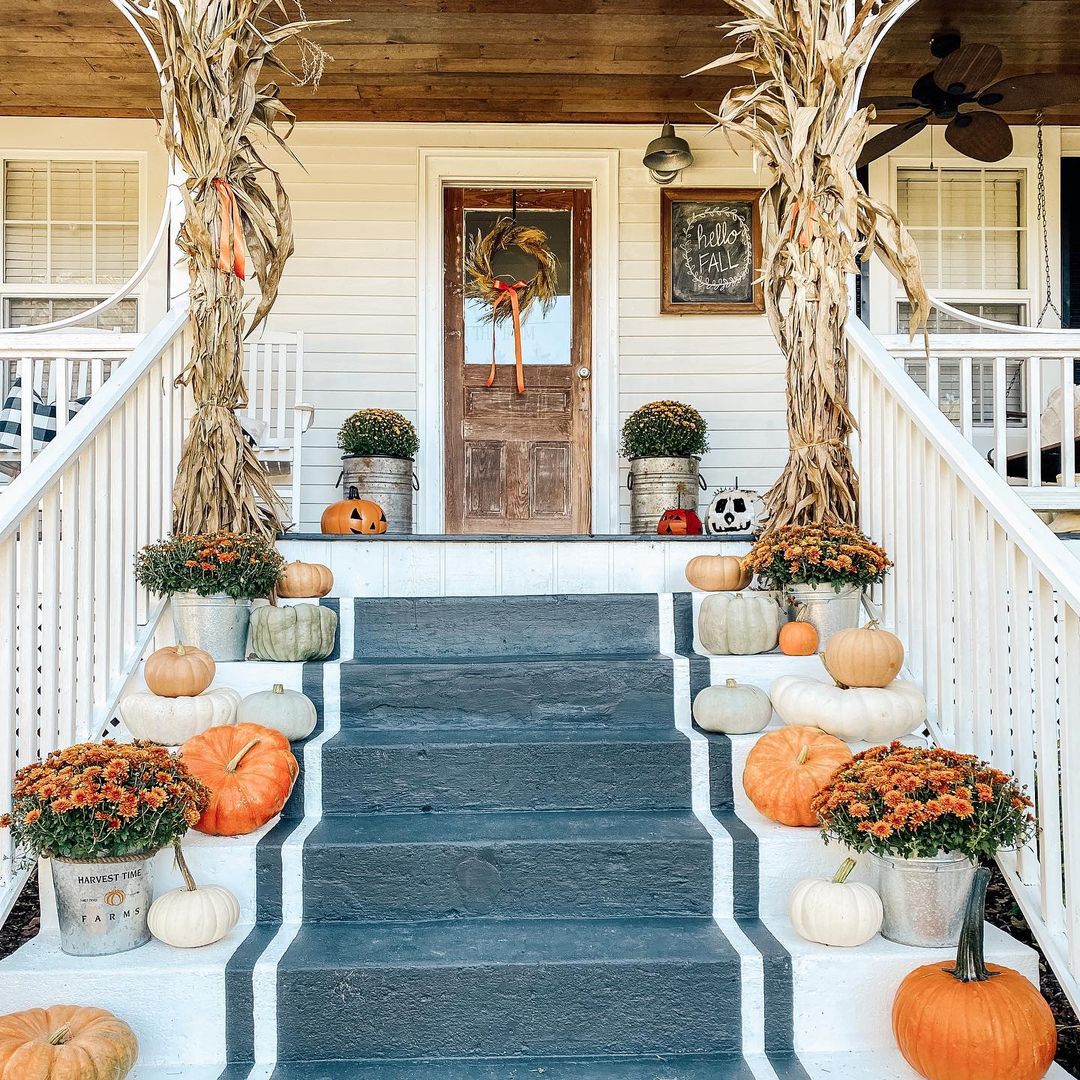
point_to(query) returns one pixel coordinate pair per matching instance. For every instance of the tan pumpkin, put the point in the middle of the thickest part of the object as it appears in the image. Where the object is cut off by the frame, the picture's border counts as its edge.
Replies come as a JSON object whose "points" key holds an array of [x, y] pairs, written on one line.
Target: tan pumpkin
{"points": [[867, 657], [787, 768], [66, 1041], [179, 671], [301, 580], [717, 573]]}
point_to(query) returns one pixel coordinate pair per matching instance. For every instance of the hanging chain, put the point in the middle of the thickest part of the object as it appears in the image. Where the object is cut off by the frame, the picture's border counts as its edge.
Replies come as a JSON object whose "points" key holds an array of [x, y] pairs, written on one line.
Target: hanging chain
{"points": [[1048, 304]]}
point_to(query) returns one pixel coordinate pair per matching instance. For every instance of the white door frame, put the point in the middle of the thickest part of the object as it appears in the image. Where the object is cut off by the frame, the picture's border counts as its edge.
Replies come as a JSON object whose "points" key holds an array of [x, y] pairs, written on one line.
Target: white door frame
{"points": [[596, 170]]}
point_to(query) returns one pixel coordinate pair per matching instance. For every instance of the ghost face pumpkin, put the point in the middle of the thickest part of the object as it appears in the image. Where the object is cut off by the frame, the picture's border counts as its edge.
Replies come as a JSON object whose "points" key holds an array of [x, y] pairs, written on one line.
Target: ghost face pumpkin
{"points": [[679, 523], [734, 510], [353, 516]]}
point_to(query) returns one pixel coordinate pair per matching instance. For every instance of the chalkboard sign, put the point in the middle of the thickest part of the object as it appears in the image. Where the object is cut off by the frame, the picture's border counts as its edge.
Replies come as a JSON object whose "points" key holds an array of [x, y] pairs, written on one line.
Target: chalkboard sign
{"points": [[710, 251]]}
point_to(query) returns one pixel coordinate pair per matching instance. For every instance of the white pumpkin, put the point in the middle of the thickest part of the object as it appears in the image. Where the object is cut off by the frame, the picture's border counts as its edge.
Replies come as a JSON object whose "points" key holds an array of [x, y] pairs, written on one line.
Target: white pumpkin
{"points": [[287, 711], [838, 912], [867, 713], [738, 624], [733, 709], [172, 721], [195, 915]]}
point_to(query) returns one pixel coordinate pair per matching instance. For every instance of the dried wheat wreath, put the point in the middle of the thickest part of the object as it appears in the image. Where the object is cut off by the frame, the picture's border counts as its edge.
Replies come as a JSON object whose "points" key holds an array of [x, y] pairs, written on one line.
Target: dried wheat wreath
{"points": [[482, 284]]}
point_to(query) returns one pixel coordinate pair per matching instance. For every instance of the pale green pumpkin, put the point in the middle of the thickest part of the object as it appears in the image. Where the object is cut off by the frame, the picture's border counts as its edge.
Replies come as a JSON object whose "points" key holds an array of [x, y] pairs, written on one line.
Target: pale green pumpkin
{"points": [[299, 632]]}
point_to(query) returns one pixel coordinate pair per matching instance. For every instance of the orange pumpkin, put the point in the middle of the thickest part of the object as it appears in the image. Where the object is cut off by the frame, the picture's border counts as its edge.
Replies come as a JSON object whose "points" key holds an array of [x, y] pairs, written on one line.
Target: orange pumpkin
{"points": [[798, 639], [353, 517], [676, 522], [179, 671], [787, 768], [66, 1041], [250, 772], [304, 580], [866, 657], [718, 573], [974, 1021]]}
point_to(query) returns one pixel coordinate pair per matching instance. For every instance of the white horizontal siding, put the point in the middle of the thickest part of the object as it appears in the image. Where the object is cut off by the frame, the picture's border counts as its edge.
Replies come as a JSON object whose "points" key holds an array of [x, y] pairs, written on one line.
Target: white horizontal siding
{"points": [[352, 288]]}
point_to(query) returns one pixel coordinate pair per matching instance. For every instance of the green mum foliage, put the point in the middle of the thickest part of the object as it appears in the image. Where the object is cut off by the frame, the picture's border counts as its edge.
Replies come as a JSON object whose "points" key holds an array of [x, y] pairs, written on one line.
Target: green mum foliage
{"points": [[378, 432], [664, 429]]}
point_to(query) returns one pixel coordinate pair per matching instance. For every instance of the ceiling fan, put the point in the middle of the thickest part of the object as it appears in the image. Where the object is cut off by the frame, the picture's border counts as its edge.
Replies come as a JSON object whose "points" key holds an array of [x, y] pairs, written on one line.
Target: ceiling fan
{"points": [[962, 90]]}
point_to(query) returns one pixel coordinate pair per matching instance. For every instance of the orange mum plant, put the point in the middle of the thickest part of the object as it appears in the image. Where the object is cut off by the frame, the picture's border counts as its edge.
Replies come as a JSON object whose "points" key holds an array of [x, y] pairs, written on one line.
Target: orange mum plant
{"points": [[103, 800], [836, 555], [237, 564], [914, 802]]}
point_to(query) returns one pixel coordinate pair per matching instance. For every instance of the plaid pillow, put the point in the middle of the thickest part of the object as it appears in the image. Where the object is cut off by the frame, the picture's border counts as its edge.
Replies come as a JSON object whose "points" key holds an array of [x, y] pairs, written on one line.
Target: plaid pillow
{"points": [[43, 418]]}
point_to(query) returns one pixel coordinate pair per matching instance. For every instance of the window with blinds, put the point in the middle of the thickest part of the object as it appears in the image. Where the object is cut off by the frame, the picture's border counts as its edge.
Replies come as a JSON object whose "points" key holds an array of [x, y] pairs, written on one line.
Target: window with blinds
{"points": [[67, 223]]}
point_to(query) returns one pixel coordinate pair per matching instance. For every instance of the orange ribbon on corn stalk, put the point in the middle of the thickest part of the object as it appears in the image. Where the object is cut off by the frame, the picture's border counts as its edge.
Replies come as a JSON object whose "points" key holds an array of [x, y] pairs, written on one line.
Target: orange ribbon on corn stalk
{"points": [[231, 244], [508, 292]]}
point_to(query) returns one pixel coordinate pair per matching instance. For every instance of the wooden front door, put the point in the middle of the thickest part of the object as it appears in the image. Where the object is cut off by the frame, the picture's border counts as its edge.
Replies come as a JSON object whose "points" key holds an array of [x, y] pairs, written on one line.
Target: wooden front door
{"points": [[519, 462]]}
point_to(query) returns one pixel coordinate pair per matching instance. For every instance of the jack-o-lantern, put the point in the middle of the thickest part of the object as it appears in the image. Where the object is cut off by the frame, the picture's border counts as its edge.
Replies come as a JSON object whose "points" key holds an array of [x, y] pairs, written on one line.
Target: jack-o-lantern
{"points": [[734, 510], [353, 516], [677, 522]]}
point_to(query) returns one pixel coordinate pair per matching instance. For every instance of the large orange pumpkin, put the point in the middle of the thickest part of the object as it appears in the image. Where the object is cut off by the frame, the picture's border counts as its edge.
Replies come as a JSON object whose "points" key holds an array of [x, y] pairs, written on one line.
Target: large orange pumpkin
{"points": [[798, 639], [787, 768], [67, 1041], [179, 671], [353, 517], [974, 1021], [249, 770]]}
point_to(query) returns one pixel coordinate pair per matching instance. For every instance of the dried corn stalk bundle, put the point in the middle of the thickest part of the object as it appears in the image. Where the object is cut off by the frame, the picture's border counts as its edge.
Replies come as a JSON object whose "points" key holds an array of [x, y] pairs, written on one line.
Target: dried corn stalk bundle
{"points": [[818, 223], [217, 122]]}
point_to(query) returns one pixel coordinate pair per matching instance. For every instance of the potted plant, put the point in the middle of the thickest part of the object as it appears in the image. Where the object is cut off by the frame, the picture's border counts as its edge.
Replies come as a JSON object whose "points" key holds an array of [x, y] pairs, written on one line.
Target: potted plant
{"points": [[99, 812], [664, 441], [822, 569], [379, 447], [211, 579], [925, 816]]}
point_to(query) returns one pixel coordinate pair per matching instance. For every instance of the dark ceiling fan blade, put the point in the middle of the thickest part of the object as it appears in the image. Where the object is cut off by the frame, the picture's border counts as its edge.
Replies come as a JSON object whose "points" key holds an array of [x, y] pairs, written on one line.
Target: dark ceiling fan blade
{"points": [[890, 139], [983, 136], [892, 104], [1023, 93], [969, 69]]}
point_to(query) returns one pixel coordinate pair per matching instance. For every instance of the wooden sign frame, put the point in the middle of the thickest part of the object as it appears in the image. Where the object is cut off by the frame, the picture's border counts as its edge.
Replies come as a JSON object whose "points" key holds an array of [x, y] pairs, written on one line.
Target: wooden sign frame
{"points": [[668, 197]]}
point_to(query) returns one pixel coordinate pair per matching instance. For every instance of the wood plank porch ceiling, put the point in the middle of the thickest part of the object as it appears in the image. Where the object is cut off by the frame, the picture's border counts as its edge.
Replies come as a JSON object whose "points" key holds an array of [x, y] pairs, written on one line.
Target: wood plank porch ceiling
{"points": [[554, 61]]}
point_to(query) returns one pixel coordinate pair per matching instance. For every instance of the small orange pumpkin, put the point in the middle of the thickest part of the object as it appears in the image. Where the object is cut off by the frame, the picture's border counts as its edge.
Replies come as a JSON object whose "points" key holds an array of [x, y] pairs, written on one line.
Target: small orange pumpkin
{"points": [[304, 580], [676, 522], [787, 768], [353, 517], [867, 657], [974, 1021], [179, 671], [250, 772], [798, 639], [718, 573], [66, 1040]]}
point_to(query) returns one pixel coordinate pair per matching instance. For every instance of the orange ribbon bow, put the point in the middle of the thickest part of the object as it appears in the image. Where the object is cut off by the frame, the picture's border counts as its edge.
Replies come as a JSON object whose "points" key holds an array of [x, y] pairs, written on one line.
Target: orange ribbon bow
{"points": [[508, 292], [231, 245]]}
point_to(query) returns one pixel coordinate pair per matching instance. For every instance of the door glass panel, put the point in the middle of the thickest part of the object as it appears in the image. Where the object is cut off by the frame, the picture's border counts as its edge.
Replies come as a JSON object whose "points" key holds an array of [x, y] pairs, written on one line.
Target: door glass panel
{"points": [[545, 338]]}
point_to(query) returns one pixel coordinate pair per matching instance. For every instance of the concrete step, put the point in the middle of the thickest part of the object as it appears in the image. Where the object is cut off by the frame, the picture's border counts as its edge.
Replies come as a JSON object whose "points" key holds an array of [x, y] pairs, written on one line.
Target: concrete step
{"points": [[502, 626], [591, 864], [504, 988], [542, 769], [499, 692]]}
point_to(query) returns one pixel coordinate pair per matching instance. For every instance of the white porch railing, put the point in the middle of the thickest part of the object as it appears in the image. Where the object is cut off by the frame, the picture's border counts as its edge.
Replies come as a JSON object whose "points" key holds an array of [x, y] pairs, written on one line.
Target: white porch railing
{"points": [[73, 622], [995, 389], [987, 602]]}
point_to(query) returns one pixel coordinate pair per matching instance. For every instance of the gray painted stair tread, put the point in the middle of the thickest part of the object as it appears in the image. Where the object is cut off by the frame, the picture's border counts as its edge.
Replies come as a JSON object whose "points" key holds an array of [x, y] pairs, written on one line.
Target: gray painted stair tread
{"points": [[507, 942], [620, 1068], [478, 660], [459, 737], [547, 826]]}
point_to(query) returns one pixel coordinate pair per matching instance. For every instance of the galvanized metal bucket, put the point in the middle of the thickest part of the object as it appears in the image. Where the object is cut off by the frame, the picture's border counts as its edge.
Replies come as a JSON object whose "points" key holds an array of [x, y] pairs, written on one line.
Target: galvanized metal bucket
{"points": [[924, 899], [661, 483], [388, 481], [826, 609], [102, 906], [216, 624]]}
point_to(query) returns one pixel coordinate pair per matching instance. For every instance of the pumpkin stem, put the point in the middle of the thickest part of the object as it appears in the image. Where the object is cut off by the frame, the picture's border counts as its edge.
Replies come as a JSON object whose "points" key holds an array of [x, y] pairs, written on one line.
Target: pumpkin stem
{"points": [[841, 875], [278, 688], [235, 763], [60, 1035], [731, 683], [181, 649], [181, 862], [825, 665], [804, 753], [970, 966]]}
